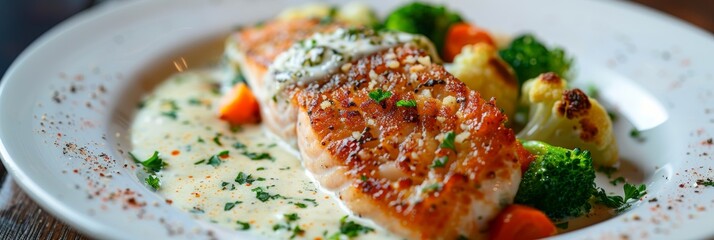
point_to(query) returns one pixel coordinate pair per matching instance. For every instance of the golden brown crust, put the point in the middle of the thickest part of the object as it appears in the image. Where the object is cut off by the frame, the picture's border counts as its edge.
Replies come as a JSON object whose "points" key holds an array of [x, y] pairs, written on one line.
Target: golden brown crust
{"points": [[575, 103], [264, 42], [551, 77], [368, 136]]}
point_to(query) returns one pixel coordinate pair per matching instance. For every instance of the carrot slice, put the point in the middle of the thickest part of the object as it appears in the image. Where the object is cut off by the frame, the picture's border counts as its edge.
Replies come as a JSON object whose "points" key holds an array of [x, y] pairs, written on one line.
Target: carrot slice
{"points": [[521, 222], [239, 106], [462, 34]]}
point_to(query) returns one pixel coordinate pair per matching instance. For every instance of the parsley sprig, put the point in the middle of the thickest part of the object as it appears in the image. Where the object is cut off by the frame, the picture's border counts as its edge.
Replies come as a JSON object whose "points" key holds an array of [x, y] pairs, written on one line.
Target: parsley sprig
{"points": [[153, 164], [439, 162], [379, 95], [448, 141], [632, 194], [153, 181], [350, 229], [406, 103]]}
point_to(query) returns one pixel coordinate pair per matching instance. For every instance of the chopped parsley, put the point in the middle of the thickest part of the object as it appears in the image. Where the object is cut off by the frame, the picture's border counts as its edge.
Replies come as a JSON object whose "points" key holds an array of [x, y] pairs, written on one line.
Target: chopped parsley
{"points": [[297, 231], [243, 225], [363, 178], [224, 186], [238, 145], [288, 225], [258, 156], [301, 205], [260, 169], [153, 181], [708, 182], [350, 229], [264, 196], [292, 217], [217, 139], [448, 141], [439, 162], [199, 162], [172, 109], [235, 128], [243, 178], [632, 192], [200, 140], [194, 101], [432, 188], [637, 135], [379, 95], [215, 160], [406, 103], [231, 205], [618, 180], [153, 164]]}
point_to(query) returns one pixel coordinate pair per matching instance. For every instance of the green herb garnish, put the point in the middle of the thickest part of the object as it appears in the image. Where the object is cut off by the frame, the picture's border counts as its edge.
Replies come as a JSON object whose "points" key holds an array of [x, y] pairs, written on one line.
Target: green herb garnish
{"points": [[350, 229], [243, 178], [439, 162], [231, 205], [291, 217], [243, 225], [153, 181], [217, 139], [258, 156], [632, 192], [637, 135], [406, 103], [153, 164], [194, 101], [379, 95], [215, 160], [173, 108], [708, 182], [448, 141]]}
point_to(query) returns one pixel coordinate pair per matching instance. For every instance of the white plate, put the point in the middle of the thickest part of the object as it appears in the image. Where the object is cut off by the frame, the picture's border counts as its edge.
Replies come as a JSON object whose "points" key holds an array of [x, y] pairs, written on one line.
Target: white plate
{"points": [[654, 69]]}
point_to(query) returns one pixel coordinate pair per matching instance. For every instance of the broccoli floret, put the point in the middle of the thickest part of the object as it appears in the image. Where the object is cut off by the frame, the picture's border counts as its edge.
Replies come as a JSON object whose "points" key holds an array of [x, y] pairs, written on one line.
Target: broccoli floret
{"points": [[432, 21], [567, 118], [529, 58], [480, 67], [559, 181]]}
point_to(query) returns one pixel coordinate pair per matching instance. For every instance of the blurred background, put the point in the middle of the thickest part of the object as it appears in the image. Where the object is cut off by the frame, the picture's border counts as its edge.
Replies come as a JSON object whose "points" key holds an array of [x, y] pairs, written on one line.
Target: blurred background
{"points": [[22, 21]]}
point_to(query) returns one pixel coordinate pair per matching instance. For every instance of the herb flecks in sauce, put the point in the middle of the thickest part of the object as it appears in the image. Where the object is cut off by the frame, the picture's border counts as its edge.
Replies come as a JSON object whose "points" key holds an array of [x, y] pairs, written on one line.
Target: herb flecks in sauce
{"points": [[205, 191]]}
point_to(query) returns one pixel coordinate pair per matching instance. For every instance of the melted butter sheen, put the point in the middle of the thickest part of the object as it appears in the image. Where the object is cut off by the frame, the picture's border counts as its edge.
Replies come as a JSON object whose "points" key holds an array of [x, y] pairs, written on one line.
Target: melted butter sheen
{"points": [[179, 121]]}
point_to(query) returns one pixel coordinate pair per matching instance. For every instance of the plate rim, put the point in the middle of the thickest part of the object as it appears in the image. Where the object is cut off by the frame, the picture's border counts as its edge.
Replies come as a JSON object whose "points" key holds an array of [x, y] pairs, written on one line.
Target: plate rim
{"points": [[84, 223]]}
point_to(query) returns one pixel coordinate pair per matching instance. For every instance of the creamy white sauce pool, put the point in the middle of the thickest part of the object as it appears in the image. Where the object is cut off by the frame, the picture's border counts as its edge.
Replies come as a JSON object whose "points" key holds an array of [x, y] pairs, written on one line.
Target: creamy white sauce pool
{"points": [[179, 121]]}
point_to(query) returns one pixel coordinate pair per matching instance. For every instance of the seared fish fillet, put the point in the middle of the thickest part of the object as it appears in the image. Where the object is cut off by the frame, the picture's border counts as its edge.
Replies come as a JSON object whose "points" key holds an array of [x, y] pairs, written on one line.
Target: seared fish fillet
{"points": [[253, 49], [431, 160]]}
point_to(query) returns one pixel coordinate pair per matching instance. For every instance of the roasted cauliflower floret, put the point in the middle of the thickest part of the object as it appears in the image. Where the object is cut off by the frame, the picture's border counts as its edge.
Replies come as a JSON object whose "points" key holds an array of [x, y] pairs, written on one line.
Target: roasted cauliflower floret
{"points": [[354, 13], [567, 118], [311, 10], [357, 13], [480, 67]]}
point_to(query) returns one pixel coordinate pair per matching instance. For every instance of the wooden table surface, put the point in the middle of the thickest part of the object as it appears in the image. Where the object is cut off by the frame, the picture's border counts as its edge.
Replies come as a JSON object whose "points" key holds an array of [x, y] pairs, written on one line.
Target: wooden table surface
{"points": [[21, 218]]}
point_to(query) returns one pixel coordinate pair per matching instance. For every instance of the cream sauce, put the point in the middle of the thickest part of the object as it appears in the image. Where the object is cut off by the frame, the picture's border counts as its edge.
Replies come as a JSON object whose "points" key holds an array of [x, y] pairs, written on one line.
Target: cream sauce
{"points": [[178, 120]]}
